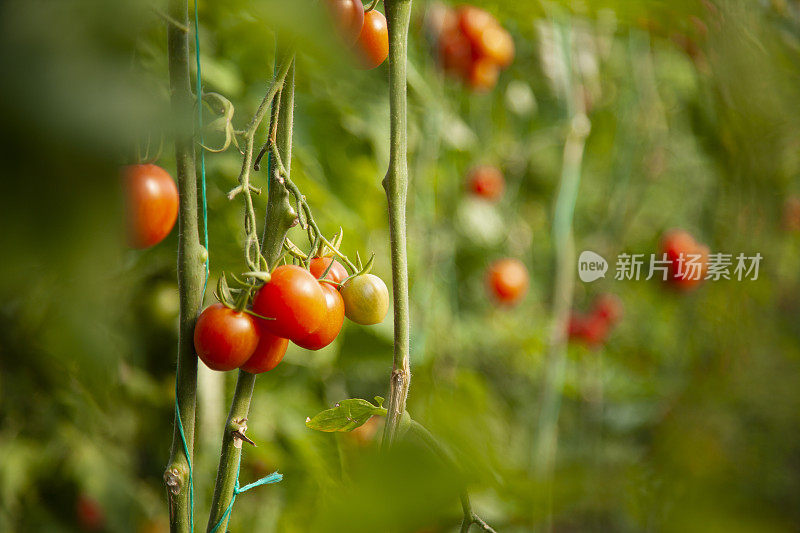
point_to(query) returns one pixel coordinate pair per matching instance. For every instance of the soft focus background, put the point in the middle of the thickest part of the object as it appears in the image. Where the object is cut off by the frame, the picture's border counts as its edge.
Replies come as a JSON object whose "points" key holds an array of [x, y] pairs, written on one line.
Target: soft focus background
{"points": [[687, 419]]}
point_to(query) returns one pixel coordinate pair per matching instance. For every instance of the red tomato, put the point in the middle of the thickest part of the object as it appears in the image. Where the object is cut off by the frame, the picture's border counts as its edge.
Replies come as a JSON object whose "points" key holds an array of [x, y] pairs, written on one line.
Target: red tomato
{"points": [[507, 280], [486, 182], [608, 307], [595, 330], [680, 246], [331, 325], [473, 21], [791, 214], [348, 16], [268, 353], [373, 42], [455, 53], [592, 329], [151, 204], [225, 338], [496, 44], [337, 272], [294, 299], [483, 74], [89, 513]]}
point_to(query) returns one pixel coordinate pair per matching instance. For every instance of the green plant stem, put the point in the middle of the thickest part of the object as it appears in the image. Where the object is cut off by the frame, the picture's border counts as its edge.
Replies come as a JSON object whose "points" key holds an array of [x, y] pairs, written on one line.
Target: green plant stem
{"points": [[252, 245], [547, 434], [280, 217], [447, 457], [191, 269], [231, 449], [398, 14]]}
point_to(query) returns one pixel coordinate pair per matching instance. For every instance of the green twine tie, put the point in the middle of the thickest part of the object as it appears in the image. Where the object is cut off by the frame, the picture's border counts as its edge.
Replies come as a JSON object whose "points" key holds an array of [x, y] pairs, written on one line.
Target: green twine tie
{"points": [[274, 477]]}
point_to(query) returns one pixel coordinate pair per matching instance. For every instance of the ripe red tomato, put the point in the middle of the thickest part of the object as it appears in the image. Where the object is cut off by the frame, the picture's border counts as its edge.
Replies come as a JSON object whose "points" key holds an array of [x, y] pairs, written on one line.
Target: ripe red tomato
{"points": [[348, 16], [595, 330], [268, 353], [486, 182], [331, 325], [592, 329], [679, 245], [337, 272], [608, 307], [455, 52], [225, 338], [151, 204], [366, 299], [373, 42], [791, 214], [89, 513], [483, 74], [474, 21], [507, 281], [294, 299]]}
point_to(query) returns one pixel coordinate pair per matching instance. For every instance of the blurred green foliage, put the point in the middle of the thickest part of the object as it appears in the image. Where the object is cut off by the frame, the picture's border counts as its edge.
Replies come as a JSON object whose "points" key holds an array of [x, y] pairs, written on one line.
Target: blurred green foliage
{"points": [[687, 420]]}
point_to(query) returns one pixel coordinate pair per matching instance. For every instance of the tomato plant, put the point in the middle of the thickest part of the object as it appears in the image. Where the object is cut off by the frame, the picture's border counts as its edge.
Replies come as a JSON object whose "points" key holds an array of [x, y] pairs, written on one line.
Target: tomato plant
{"points": [[373, 42], [366, 299], [151, 204], [225, 338], [486, 182], [336, 273], [348, 16], [331, 324], [294, 300], [507, 281], [268, 353]]}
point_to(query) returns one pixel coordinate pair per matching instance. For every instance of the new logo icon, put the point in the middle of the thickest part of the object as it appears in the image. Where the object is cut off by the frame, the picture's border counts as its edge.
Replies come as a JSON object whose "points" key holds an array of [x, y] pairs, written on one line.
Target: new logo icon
{"points": [[591, 266]]}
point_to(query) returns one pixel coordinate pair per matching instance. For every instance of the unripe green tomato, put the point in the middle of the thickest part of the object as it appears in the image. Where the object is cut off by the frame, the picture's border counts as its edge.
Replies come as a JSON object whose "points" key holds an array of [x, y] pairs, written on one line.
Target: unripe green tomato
{"points": [[366, 299]]}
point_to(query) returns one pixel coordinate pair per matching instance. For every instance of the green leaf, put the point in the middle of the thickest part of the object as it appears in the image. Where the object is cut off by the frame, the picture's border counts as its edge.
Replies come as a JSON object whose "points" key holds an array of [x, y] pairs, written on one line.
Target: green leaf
{"points": [[346, 415]]}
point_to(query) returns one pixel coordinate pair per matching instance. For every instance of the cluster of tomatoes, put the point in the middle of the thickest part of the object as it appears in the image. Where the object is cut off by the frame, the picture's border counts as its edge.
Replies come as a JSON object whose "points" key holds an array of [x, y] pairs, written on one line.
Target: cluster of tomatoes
{"points": [[593, 328], [688, 259], [151, 204], [470, 44], [366, 31], [305, 306]]}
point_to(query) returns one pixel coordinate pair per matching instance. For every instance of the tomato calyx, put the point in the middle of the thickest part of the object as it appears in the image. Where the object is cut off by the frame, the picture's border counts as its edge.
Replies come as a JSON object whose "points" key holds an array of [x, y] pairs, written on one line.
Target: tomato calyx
{"points": [[238, 299]]}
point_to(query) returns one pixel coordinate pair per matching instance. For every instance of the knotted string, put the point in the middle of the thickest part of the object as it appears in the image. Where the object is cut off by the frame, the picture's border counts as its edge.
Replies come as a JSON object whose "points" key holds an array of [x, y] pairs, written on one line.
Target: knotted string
{"points": [[274, 477]]}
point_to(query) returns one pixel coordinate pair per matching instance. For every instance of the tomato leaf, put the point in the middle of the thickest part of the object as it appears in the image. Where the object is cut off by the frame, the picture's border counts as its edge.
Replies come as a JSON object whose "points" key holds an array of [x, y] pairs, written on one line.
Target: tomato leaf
{"points": [[345, 416]]}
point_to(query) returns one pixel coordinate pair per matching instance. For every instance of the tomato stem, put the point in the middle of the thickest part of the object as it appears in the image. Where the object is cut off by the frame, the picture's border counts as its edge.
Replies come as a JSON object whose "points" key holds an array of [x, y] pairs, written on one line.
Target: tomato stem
{"points": [[398, 15], [563, 284], [279, 218], [191, 269], [371, 6]]}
